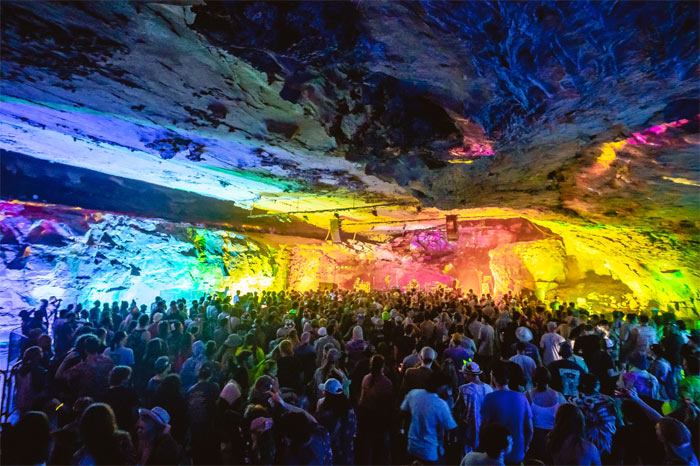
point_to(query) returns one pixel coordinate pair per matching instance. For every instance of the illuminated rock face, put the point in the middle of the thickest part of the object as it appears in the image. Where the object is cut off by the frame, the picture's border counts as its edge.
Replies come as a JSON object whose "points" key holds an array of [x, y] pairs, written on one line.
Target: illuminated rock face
{"points": [[534, 265], [81, 255]]}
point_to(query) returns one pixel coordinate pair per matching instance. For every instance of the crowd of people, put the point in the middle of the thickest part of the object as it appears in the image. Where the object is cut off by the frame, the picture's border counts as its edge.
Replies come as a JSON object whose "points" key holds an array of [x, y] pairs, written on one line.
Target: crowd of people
{"points": [[354, 377]]}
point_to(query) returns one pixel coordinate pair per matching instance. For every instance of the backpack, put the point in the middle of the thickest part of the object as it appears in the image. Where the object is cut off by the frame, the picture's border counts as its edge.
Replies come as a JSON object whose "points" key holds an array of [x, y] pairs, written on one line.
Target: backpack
{"points": [[136, 343]]}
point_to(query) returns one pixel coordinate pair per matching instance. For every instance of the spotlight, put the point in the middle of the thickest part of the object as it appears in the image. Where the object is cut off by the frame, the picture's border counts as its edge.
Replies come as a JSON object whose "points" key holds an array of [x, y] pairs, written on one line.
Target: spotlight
{"points": [[374, 212], [336, 214], [419, 208]]}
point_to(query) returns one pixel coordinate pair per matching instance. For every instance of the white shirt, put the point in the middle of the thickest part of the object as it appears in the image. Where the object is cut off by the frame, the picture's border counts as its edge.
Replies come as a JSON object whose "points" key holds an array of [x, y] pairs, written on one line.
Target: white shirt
{"points": [[550, 344], [429, 416]]}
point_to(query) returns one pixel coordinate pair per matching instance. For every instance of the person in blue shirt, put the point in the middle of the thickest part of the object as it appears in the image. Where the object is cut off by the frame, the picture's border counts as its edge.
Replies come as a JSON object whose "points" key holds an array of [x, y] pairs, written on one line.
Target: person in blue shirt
{"points": [[510, 409]]}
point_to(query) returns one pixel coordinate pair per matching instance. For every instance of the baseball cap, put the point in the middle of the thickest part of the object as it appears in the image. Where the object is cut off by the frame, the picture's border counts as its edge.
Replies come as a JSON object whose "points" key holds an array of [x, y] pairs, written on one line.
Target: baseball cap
{"points": [[332, 386]]}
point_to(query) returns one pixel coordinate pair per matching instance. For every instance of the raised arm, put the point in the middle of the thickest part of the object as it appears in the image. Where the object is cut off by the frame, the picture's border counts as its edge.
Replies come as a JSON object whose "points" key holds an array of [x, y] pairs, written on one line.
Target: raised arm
{"points": [[631, 394]]}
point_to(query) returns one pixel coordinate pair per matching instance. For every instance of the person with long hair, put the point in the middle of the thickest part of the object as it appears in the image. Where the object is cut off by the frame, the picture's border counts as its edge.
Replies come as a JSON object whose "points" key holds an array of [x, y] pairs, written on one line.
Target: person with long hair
{"points": [[566, 443], [335, 413], [155, 348], [102, 442], [120, 354], [330, 368], [544, 402], [375, 414], [677, 441], [28, 441]]}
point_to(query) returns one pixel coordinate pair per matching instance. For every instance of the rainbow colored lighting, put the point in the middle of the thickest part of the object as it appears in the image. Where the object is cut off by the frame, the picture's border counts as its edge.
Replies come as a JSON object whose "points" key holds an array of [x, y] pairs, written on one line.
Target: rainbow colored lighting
{"points": [[608, 151]]}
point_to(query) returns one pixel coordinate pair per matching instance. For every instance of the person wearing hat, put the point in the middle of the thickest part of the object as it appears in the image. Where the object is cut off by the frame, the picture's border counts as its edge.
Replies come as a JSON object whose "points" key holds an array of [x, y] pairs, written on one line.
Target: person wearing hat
{"points": [[524, 335], [468, 406], [388, 326], [637, 376], [335, 413], [566, 372], [153, 328], [155, 444]]}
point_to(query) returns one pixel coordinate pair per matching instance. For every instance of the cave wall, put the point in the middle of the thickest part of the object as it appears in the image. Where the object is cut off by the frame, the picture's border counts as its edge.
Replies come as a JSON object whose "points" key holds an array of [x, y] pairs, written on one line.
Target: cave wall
{"points": [[81, 255]]}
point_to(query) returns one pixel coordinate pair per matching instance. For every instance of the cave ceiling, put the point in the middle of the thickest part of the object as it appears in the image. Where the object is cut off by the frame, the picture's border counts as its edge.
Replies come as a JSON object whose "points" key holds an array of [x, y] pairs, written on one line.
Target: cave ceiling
{"points": [[583, 112]]}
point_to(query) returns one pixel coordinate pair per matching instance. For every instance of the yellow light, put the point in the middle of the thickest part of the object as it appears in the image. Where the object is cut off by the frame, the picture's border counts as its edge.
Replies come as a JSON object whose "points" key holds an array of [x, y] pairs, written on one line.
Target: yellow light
{"points": [[684, 181]]}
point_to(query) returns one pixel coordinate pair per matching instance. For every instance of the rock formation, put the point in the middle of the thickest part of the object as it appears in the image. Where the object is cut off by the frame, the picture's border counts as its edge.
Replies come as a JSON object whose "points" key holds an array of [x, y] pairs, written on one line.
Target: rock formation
{"points": [[569, 129]]}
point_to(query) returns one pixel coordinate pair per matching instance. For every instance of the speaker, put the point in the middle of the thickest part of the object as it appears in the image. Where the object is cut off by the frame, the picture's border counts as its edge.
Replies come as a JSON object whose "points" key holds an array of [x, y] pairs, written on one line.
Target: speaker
{"points": [[335, 230], [451, 228]]}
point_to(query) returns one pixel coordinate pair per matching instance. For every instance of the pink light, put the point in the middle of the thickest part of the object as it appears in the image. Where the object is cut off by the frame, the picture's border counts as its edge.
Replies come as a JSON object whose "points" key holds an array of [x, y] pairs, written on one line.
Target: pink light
{"points": [[637, 138], [642, 137], [657, 129], [474, 140], [476, 150]]}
